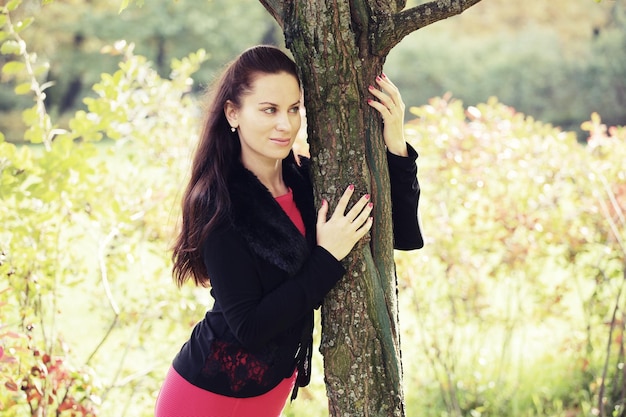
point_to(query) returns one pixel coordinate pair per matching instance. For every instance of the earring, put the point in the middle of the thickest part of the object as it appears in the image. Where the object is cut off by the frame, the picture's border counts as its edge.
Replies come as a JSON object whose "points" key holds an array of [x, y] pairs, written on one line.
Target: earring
{"points": [[232, 129]]}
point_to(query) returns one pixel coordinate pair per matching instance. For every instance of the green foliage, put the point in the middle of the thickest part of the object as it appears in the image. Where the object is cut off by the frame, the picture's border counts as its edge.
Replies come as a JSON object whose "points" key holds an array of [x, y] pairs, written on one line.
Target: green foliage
{"points": [[75, 224], [126, 3], [515, 306], [531, 56]]}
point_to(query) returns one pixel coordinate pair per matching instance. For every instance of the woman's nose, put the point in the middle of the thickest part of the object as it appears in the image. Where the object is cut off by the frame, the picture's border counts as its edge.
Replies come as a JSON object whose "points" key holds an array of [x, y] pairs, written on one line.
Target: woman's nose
{"points": [[283, 123]]}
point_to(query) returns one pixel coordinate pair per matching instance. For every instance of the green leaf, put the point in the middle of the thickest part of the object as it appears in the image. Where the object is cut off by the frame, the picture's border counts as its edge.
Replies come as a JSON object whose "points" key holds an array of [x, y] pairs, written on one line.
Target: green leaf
{"points": [[34, 135], [23, 24], [124, 5], [13, 4], [11, 47], [13, 67], [30, 116], [22, 89]]}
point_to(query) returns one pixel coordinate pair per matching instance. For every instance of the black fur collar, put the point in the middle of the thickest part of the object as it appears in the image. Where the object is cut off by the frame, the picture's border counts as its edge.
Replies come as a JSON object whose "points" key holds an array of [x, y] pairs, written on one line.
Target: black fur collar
{"points": [[264, 225]]}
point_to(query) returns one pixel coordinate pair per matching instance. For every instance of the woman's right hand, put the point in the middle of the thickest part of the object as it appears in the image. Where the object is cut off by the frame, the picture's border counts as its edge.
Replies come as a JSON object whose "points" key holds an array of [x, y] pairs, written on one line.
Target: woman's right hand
{"points": [[342, 231]]}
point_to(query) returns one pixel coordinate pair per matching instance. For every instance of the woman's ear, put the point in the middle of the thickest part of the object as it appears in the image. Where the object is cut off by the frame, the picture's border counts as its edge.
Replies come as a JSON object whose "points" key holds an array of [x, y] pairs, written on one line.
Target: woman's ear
{"points": [[231, 112]]}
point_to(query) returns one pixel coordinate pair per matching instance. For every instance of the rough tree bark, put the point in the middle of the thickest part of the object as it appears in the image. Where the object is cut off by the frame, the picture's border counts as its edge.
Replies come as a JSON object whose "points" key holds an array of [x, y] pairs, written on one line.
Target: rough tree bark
{"points": [[340, 47]]}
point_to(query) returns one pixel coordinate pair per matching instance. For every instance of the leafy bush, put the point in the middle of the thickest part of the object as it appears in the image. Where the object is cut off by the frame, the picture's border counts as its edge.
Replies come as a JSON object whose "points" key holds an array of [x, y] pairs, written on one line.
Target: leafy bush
{"points": [[515, 305], [87, 217]]}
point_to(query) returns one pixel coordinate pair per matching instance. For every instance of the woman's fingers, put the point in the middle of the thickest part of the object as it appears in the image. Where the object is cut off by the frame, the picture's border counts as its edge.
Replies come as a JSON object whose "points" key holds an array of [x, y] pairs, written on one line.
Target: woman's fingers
{"points": [[355, 211], [369, 220], [358, 208], [389, 96], [363, 216], [384, 104], [391, 107], [344, 229], [322, 213], [390, 88], [342, 204]]}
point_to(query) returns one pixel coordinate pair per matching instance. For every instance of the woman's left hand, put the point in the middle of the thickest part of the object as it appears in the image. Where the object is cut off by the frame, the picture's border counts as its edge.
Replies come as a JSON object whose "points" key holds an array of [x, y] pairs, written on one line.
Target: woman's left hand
{"points": [[391, 108]]}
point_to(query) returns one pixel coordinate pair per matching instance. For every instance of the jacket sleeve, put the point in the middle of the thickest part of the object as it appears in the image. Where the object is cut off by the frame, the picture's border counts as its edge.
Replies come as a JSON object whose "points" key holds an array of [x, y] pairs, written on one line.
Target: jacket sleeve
{"points": [[405, 194], [254, 315]]}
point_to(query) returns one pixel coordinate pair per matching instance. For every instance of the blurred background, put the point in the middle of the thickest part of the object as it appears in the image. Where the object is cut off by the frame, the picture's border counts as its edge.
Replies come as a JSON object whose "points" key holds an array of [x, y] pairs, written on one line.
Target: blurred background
{"points": [[557, 61], [515, 307]]}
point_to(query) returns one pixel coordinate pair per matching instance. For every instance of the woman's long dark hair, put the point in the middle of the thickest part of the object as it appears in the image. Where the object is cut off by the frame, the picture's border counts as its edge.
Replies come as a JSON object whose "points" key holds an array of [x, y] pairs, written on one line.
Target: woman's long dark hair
{"points": [[206, 200]]}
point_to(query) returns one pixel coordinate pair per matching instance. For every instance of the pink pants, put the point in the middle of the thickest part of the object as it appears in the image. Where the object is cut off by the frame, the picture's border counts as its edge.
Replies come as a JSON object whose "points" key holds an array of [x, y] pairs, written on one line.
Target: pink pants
{"points": [[179, 398]]}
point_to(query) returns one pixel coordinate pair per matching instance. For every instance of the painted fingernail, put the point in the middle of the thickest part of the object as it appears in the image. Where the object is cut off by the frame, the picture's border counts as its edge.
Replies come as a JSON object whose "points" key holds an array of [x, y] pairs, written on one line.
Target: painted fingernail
{"points": [[370, 205], [324, 202], [369, 100], [378, 78], [351, 186], [367, 196], [371, 87], [384, 75]]}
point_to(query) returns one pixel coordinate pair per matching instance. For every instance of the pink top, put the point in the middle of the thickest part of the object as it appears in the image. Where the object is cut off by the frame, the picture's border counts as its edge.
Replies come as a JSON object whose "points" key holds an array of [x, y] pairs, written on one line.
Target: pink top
{"points": [[289, 206]]}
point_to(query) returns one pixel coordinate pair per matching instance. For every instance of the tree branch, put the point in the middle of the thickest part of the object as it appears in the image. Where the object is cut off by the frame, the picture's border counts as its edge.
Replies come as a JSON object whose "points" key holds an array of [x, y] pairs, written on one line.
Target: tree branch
{"points": [[400, 4], [276, 9], [389, 31]]}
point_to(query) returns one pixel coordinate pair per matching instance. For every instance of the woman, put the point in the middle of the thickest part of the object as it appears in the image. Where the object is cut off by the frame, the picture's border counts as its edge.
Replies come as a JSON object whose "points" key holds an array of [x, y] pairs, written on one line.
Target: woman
{"points": [[250, 231]]}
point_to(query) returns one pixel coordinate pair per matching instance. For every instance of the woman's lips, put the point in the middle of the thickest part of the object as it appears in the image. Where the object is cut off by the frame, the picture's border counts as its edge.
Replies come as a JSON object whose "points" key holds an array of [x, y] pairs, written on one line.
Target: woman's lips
{"points": [[281, 141]]}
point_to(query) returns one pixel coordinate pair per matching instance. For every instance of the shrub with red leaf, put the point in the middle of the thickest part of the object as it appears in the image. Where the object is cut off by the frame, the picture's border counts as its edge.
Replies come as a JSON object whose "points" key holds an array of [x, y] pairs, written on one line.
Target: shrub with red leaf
{"points": [[39, 384]]}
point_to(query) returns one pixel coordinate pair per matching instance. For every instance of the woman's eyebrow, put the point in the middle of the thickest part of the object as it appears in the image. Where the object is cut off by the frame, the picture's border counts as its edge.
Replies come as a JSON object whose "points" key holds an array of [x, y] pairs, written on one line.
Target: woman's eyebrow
{"points": [[269, 103]]}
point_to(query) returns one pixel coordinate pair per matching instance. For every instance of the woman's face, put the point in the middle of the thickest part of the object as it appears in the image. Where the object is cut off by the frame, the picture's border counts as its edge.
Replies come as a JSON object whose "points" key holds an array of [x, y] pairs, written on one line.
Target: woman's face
{"points": [[268, 119]]}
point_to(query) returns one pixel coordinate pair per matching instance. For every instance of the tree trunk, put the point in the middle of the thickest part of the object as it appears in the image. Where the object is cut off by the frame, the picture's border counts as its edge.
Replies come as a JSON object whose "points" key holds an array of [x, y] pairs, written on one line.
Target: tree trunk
{"points": [[340, 48], [359, 317], [360, 343]]}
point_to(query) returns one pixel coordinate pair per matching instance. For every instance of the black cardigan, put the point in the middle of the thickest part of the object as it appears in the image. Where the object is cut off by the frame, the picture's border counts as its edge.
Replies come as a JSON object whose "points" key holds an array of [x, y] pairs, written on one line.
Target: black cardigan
{"points": [[267, 279]]}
